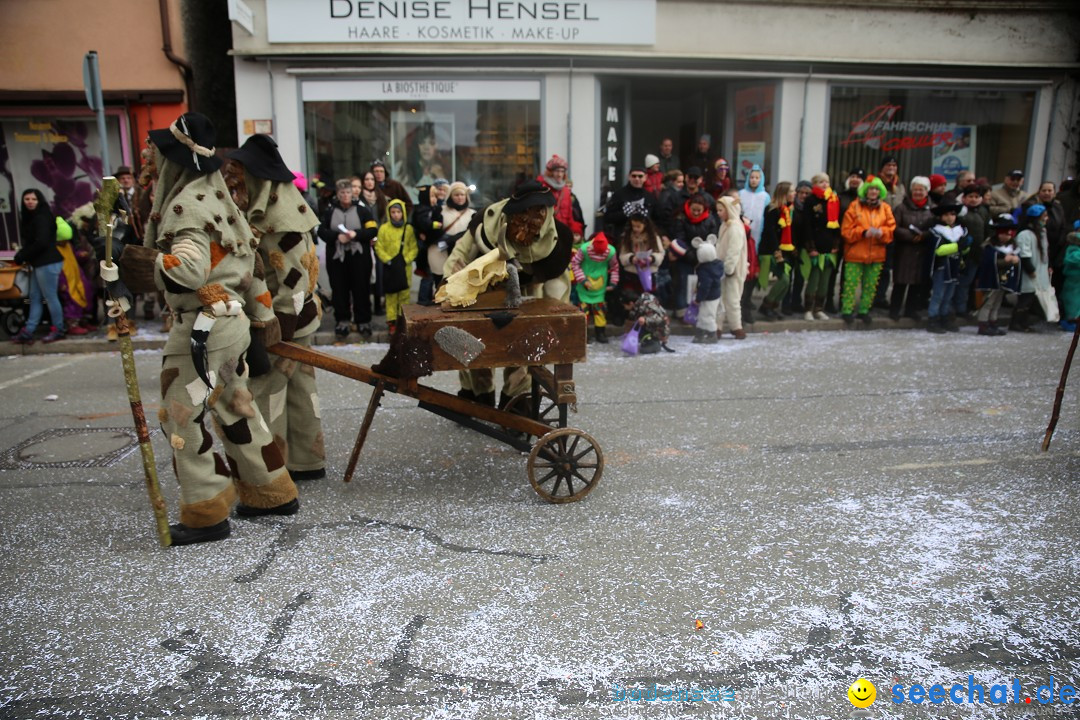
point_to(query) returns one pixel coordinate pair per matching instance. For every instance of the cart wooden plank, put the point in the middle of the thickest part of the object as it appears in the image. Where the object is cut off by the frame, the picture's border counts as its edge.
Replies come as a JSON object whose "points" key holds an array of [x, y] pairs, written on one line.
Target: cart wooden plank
{"points": [[540, 332]]}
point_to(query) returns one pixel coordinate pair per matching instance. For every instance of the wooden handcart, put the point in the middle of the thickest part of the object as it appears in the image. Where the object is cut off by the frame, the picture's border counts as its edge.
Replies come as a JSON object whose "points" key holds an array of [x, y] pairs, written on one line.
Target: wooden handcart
{"points": [[544, 335]]}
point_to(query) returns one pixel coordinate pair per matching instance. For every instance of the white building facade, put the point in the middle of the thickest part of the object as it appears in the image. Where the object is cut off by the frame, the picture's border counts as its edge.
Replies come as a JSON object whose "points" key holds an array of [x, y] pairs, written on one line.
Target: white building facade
{"points": [[485, 91]]}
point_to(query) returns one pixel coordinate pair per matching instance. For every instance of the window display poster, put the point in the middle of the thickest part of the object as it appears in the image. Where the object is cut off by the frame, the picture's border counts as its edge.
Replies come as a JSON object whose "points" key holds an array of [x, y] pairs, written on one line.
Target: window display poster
{"points": [[748, 155], [956, 155], [421, 147], [61, 157]]}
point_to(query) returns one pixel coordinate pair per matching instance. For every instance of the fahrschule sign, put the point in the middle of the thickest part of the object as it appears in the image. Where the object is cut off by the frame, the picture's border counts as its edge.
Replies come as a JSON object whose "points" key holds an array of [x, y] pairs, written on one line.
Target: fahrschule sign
{"points": [[504, 22]]}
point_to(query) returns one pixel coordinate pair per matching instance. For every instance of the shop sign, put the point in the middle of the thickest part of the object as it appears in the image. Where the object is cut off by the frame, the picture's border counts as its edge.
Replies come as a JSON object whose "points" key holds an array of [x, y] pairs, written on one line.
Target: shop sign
{"points": [[419, 89], [881, 129], [502, 22]]}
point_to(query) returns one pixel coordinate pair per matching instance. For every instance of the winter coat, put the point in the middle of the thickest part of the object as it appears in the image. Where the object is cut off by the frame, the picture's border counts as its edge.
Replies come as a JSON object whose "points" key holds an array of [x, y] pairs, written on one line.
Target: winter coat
{"points": [[1004, 200], [709, 276], [629, 249], [996, 274], [567, 207], [819, 236], [390, 239], [896, 194], [948, 246], [455, 223], [910, 253], [685, 232], [976, 222], [1034, 248], [354, 217], [754, 203], [654, 182], [1056, 230], [731, 248], [859, 218], [37, 231], [624, 202], [1070, 289]]}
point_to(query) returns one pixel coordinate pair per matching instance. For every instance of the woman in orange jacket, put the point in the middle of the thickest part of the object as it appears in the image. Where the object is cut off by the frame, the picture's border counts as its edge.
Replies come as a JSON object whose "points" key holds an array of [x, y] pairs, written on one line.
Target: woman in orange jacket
{"points": [[867, 228]]}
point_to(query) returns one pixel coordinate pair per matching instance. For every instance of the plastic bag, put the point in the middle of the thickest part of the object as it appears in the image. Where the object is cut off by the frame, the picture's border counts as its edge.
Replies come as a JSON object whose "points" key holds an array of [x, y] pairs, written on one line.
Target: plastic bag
{"points": [[1048, 300], [645, 276], [630, 341], [690, 318]]}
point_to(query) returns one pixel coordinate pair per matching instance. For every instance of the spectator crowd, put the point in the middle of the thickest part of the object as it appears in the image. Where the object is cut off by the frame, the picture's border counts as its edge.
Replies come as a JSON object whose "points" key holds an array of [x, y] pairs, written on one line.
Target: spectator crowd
{"points": [[690, 243]]}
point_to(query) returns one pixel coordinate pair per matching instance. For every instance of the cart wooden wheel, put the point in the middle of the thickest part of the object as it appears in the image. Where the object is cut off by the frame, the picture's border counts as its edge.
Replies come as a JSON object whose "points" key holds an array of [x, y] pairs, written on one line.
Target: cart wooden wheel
{"points": [[549, 411], [565, 465]]}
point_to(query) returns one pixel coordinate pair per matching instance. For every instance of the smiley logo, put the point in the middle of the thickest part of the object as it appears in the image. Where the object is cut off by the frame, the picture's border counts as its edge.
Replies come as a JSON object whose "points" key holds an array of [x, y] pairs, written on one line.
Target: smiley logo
{"points": [[862, 693]]}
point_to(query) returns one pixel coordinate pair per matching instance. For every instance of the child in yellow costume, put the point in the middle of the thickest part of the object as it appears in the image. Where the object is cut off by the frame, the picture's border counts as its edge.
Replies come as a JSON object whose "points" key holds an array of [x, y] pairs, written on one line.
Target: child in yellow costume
{"points": [[396, 238]]}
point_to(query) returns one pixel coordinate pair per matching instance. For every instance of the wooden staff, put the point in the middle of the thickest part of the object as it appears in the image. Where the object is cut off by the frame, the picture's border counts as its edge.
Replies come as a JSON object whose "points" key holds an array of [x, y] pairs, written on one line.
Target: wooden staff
{"points": [[1061, 389], [104, 204]]}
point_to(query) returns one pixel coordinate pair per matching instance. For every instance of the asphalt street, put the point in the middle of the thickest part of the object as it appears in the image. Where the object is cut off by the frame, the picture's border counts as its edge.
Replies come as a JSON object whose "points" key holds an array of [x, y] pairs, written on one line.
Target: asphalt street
{"points": [[776, 518]]}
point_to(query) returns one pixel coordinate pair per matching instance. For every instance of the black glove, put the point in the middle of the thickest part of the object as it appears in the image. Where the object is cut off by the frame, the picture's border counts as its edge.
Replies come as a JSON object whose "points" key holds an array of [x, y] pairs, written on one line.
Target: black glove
{"points": [[258, 360]]}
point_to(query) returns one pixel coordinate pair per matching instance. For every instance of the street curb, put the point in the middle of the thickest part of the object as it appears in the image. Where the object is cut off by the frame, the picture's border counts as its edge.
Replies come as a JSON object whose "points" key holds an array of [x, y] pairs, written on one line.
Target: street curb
{"points": [[98, 343]]}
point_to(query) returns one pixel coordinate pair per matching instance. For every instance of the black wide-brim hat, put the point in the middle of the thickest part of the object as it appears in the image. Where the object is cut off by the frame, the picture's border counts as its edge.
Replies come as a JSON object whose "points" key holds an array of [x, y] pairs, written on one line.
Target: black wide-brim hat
{"points": [[261, 158], [529, 194], [940, 210], [189, 142]]}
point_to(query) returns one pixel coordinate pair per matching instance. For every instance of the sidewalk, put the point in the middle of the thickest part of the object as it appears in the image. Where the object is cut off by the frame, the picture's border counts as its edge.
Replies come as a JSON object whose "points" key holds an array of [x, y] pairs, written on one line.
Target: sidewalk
{"points": [[149, 336]]}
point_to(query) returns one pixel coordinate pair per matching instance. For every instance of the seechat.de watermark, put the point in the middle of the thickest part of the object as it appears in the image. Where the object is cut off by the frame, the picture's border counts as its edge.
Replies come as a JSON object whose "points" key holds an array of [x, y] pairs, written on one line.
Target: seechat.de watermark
{"points": [[973, 693], [654, 693], [862, 693]]}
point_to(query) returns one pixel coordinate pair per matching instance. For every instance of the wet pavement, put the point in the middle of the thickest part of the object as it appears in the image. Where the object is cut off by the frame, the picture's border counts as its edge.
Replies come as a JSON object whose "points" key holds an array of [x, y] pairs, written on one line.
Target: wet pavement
{"points": [[776, 518]]}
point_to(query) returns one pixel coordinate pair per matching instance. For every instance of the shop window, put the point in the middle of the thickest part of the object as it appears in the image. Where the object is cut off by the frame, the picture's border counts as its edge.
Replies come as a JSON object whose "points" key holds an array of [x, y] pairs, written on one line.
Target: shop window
{"points": [[929, 130], [60, 156], [490, 144], [753, 130]]}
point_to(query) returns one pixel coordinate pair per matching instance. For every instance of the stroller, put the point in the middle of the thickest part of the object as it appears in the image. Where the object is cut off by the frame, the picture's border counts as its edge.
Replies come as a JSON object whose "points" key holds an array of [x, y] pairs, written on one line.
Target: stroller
{"points": [[14, 296]]}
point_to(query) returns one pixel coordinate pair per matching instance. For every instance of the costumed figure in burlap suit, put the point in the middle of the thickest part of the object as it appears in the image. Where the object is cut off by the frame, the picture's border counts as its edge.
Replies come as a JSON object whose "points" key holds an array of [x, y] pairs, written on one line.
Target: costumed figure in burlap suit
{"points": [[524, 229], [201, 253], [262, 185]]}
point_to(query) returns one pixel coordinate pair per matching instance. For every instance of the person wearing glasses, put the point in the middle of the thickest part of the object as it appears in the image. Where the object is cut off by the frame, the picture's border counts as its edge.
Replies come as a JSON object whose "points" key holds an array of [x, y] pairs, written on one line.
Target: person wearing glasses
{"points": [[628, 200]]}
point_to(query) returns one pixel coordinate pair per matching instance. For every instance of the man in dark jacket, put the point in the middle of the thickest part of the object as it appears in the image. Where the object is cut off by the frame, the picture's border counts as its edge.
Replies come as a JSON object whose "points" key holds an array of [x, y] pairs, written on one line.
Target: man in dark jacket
{"points": [[975, 218], [625, 201]]}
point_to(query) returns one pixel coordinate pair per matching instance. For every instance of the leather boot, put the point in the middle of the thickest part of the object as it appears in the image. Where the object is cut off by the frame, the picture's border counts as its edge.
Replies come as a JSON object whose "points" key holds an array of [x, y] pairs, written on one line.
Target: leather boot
{"points": [[183, 535], [768, 310], [290, 508], [600, 334], [487, 398]]}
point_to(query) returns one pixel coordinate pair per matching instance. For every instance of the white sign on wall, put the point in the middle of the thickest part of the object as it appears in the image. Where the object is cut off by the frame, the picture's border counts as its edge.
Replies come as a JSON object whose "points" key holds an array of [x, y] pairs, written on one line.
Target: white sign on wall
{"points": [[419, 89], [504, 22]]}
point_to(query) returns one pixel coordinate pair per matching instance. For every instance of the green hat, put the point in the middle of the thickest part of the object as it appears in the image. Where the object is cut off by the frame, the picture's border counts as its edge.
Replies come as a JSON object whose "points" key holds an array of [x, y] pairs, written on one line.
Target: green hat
{"points": [[873, 182]]}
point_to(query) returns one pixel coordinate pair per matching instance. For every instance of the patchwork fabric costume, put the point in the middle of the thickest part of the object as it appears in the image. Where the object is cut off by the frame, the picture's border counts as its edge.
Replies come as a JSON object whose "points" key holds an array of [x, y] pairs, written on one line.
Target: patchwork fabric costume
{"points": [[283, 222], [206, 268]]}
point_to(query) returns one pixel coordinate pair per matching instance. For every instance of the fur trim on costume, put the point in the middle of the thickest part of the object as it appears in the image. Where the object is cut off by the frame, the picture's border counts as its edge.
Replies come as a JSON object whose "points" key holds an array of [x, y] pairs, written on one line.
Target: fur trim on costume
{"points": [[209, 512], [278, 491]]}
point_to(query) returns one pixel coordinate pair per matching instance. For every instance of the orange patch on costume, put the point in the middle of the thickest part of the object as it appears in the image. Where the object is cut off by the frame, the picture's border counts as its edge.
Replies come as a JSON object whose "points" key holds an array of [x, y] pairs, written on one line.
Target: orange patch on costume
{"points": [[266, 298], [210, 294], [217, 253], [169, 261]]}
